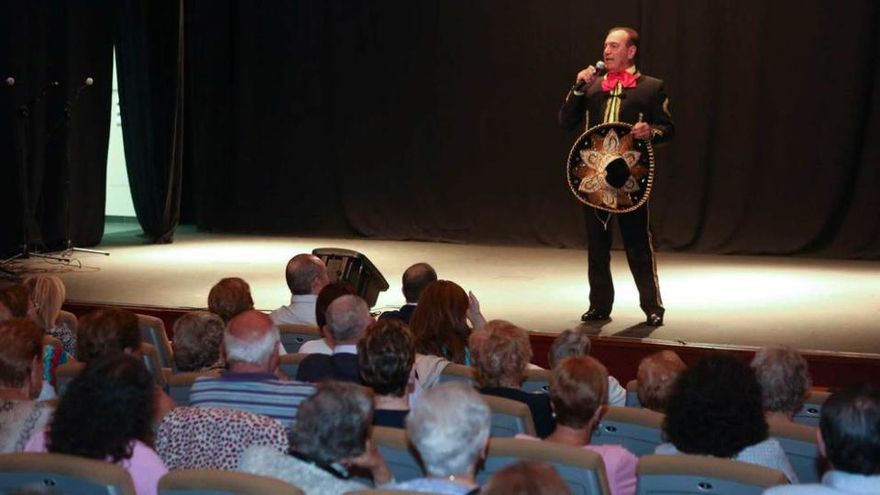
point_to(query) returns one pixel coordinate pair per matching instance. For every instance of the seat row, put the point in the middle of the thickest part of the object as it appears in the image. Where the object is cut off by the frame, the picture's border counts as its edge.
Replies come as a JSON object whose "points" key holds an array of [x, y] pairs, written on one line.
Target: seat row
{"points": [[582, 470]]}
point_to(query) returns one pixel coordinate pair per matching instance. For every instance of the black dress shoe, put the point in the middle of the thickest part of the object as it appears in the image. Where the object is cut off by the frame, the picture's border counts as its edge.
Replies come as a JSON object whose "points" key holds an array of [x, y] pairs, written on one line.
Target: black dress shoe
{"points": [[595, 315], [655, 320]]}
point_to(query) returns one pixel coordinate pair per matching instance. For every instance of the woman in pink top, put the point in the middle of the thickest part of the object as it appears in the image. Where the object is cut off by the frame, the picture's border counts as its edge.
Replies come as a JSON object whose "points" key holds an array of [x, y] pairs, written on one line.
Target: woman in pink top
{"points": [[578, 389], [106, 413]]}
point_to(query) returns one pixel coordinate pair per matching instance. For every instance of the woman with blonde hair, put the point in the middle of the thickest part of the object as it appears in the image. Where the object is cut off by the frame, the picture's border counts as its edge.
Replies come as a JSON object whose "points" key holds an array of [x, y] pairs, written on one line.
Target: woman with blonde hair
{"points": [[48, 293]]}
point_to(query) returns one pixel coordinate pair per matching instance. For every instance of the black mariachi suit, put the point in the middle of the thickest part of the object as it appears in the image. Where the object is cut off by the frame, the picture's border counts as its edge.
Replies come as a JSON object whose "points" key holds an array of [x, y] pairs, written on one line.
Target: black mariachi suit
{"points": [[647, 102]]}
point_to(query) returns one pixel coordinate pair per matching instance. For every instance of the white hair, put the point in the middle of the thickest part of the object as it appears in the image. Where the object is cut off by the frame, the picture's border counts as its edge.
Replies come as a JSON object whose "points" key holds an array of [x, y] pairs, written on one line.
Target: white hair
{"points": [[449, 427], [248, 351], [347, 317]]}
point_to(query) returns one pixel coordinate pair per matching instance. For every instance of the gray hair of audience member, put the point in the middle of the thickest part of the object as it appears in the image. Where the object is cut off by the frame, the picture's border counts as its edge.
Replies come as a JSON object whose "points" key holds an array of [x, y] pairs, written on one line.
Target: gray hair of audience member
{"points": [[785, 381], [347, 317], [301, 272], [198, 336], [251, 338], [334, 423], [449, 427], [850, 430], [570, 343], [656, 375], [526, 478]]}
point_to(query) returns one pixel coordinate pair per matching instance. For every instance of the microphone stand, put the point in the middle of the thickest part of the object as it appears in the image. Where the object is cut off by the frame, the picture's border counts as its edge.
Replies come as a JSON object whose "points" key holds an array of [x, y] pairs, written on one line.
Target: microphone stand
{"points": [[69, 248], [23, 114]]}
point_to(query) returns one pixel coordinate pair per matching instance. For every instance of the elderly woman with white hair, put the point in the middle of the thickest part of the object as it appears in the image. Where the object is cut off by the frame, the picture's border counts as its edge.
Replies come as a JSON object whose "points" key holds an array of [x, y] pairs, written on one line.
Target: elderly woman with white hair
{"points": [[449, 427], [785, 382]]}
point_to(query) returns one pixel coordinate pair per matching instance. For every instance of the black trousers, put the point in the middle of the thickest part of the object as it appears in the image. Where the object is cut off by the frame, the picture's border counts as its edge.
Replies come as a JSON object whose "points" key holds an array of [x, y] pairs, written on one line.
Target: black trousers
{"points": [[636, 233]]}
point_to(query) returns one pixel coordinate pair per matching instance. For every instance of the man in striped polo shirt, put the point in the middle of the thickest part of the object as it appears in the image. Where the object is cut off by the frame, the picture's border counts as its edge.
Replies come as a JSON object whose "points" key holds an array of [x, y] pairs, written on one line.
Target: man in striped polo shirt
{"points": [[250, 344]]}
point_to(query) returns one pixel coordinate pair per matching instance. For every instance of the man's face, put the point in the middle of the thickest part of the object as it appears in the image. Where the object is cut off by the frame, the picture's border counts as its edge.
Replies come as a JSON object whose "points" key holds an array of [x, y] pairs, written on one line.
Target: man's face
{"points": [[618, 55]]}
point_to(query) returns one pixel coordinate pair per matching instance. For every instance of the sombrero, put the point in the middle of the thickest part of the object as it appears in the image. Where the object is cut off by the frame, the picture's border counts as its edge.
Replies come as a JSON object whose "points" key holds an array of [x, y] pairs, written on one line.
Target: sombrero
{"points": [[609, 169]]}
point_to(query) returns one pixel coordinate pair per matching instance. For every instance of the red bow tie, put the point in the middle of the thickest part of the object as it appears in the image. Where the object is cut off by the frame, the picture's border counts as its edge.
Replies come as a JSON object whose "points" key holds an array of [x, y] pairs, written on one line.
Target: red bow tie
{"points": [[626, 79]]}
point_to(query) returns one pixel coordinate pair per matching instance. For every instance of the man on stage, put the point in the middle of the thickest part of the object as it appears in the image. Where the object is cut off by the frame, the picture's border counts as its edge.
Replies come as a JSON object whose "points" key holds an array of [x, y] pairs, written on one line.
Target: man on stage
{"points": [[622, 95]]}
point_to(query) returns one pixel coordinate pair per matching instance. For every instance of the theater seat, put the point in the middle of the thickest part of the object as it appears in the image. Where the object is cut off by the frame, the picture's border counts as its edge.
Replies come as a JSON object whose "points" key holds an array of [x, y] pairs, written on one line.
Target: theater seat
{"points": [[180, 383], [153, 333], [509, 417], [808, 414], [289, 363], [213, 482], [800, 445], [582, 470], [398, 455], [61, 473], [294, 336], [703, 475], [637, 429]]}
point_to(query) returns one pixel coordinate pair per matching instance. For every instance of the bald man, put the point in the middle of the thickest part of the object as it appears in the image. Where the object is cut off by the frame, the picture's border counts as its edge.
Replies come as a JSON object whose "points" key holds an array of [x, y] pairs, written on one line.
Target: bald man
{"points": [[250, 347], [306, 275], [415, 279]]}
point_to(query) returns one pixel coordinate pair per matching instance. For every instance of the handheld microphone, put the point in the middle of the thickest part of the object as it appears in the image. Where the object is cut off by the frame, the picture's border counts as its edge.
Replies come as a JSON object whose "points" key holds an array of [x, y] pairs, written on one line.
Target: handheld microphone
{"points": [[600, 69]]}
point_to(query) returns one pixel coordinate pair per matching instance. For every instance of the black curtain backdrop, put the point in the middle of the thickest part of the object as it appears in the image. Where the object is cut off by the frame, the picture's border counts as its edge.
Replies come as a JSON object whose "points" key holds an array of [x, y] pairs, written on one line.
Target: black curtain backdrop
{"points": [[149, 51], [43, 41], [436, 119]]}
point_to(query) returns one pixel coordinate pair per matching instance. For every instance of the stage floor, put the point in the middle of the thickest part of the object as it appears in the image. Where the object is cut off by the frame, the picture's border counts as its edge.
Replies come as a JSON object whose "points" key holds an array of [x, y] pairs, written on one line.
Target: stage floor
{"points": [[812, 304]]}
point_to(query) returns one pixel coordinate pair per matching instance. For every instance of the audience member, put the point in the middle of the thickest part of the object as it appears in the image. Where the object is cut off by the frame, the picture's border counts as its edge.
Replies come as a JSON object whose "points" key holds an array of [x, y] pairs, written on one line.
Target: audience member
{"points": [[785, 381], [230, 297], [108, 331], [526, 478], [440, 321], [656, 375], [849, 438], [449, 428], [574, 343], [306, 276], [328, 294], [331, 435], [501, 352], [347, 318], [106, 414], [21, 378], [47, 293], [578, 390], [15, 302], [198, 337], [386, 355], [415, 280], [715, 409], [250, 344]]}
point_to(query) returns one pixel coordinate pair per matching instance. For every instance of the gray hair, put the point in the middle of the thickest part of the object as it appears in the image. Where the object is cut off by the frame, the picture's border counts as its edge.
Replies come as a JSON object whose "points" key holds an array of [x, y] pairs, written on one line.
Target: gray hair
{"points": [[334, 423], [449, 427], [197, 339], [570, 343], [347, 317], [257, 352], [301, 270], [782, 373]]}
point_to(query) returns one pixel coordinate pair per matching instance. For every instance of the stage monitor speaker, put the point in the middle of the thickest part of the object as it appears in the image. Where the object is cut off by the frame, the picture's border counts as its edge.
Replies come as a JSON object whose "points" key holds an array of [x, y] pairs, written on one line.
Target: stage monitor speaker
{"points": [[354, 268]]}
